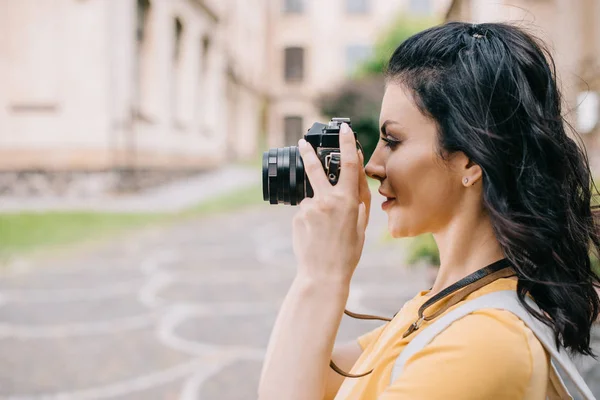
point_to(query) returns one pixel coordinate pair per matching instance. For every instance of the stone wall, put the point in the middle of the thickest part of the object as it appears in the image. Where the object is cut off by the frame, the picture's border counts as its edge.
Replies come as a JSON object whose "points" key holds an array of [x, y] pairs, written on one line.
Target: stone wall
{"points": [[84, 184]]}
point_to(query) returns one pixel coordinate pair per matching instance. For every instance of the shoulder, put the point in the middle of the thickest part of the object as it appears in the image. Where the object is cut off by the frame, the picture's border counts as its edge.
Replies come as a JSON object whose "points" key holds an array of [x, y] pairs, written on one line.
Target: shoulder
{"points": [[486, 354], [473, 358], [498, 334], [485, 340]]}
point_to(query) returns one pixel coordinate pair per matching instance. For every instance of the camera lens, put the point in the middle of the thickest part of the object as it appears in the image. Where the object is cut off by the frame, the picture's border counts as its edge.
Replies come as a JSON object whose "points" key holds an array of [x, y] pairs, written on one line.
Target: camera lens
{"points": [[284, 180]]}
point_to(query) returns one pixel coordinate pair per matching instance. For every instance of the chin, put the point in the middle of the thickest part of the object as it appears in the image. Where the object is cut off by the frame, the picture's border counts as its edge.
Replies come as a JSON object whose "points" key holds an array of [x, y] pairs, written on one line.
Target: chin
{"points": [[398, 230]]}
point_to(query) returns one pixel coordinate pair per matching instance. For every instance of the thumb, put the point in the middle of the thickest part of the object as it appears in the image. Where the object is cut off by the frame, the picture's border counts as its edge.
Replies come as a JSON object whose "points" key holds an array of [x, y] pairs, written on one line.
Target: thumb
{"points": [[363, 218], [364, 193]]}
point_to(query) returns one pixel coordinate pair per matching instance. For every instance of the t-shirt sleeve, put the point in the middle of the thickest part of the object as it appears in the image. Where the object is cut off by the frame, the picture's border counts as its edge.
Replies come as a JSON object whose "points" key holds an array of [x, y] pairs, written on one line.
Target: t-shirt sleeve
{"points": [[365, 340], [477, 357]]}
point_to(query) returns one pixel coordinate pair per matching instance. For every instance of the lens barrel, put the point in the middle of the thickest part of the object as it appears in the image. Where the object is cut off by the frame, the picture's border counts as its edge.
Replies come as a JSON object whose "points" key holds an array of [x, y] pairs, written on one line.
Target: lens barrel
{"points": [[284, 180]]}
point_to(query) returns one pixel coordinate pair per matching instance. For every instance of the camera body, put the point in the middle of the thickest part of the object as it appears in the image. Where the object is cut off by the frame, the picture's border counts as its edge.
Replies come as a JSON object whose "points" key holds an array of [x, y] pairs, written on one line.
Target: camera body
{"points": [[325, 139], [284, 178]]}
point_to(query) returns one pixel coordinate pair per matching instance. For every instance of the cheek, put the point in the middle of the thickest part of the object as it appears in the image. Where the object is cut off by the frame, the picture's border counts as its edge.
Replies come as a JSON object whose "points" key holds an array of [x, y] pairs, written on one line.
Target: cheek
{"points": [[414, 174], [426, 195]]}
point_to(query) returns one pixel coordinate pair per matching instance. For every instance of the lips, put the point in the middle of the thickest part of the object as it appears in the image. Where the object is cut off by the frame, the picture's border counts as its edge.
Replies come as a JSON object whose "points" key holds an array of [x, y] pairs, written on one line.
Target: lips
{"points": [[387, 196], [388, 199], [387, 203]]}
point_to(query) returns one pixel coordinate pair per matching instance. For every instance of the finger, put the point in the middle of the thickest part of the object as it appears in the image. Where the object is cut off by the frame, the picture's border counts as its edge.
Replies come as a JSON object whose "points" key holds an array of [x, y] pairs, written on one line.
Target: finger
{"points": [[313, 167], [363, 218], [364, 193], [349, 173]]}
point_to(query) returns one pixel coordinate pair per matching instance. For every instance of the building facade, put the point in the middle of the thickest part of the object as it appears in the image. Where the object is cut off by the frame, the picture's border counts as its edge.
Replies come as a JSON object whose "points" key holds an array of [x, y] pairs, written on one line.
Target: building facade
{"points": [[129, 85], [314, 46], [571, 30]]}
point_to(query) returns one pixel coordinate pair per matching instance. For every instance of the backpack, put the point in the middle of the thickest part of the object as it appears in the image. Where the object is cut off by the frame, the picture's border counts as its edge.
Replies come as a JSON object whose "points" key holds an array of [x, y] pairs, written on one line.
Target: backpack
{"points": [[505, 300]]}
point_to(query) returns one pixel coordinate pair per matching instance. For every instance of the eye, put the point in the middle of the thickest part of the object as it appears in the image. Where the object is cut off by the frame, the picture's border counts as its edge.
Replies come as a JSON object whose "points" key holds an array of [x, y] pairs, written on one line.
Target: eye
{"points": [[391, 143]]}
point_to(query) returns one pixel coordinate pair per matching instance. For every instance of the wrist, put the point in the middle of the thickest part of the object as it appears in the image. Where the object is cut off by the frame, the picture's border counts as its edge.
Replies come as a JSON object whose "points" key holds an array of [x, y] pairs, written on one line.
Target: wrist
{"points": [[335, 285]]}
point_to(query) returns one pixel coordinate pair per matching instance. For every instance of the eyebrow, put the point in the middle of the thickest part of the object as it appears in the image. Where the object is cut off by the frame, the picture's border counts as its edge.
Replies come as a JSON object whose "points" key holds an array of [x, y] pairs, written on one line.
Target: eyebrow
{"points": [[385, 124]]}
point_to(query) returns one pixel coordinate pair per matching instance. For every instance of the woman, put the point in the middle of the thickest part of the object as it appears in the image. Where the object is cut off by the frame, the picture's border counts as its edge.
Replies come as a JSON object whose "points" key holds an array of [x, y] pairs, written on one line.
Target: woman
{"points": [[473, 149]]}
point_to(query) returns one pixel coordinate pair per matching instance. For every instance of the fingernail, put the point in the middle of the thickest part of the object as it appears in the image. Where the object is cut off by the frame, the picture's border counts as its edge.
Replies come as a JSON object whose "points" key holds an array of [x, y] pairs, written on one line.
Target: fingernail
{"points": [[302, 143], [345, 129]]}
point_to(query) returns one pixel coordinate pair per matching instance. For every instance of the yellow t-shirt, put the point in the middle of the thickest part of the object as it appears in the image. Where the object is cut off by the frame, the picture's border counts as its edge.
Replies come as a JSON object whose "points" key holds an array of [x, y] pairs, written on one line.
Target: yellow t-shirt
{"points": [[488, 354]]}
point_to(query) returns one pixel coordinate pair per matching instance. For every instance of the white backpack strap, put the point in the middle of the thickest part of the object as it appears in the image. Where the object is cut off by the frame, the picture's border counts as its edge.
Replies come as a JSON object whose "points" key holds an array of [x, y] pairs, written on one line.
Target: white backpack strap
{"points": [[505, 300]]}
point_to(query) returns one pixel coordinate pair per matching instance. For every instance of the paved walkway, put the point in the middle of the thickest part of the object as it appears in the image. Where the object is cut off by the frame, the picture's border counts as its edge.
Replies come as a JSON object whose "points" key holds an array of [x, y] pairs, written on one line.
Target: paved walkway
{"points": [[181, 312], [171, 197]]}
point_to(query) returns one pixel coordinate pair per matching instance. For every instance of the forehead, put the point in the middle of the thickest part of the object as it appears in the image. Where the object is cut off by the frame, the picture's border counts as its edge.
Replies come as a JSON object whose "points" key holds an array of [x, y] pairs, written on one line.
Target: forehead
{"points": [[398, 105]]}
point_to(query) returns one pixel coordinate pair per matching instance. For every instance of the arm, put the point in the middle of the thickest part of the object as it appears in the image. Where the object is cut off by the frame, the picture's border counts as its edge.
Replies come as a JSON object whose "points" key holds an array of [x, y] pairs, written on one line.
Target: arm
{"points": [[297, 360], [328, 237], [345, 356]]}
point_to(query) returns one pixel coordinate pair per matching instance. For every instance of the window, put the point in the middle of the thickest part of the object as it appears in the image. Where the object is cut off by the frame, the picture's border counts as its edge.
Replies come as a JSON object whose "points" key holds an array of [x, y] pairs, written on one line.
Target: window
{"points": [[293, 130], [205, 51], [294, 64], [178, 34], [293, 6], [143, 64], [420, 6], [355, 55], [177, 88], [143, 12], [357, 6]]}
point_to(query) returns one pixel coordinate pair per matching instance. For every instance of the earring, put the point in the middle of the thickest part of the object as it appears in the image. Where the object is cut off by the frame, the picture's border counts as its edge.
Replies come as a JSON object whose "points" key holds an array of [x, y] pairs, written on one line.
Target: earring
{"points": [[466, 180]]}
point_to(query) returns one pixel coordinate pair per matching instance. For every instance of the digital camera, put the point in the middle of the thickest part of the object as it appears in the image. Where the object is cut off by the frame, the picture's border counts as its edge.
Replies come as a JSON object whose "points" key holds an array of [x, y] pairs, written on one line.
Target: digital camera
{"points": [[284, 178]]}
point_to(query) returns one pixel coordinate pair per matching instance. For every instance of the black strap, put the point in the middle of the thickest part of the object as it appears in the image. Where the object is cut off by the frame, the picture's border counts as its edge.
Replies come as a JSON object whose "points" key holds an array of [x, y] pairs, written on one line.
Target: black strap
{"points": [[474, 277], [461, 284], [467, 280]]}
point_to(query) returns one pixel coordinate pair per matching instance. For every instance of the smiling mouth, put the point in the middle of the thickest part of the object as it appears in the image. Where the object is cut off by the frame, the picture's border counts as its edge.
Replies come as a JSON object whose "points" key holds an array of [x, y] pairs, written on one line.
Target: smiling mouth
{"points": [[387, 202]]}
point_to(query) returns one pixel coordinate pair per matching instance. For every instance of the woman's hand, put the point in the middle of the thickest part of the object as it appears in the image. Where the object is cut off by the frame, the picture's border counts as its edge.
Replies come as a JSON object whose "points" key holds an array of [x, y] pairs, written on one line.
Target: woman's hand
{"points": [[329, 228]]}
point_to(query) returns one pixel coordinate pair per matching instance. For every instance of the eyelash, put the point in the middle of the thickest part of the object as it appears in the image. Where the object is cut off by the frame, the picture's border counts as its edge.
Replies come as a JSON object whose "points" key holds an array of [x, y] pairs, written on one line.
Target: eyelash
{"points": [[390, 143]]}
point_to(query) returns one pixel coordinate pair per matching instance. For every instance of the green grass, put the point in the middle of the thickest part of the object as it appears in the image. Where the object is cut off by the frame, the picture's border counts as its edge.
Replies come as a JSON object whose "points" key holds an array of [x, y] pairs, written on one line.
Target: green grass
{"points": [[25, 233], [238, 199], [21, 233], [31, 232]]}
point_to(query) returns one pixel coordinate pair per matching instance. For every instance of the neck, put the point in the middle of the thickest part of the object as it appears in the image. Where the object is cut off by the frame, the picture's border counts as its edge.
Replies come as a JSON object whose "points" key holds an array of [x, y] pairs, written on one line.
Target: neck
{"points": [[465, 245]]}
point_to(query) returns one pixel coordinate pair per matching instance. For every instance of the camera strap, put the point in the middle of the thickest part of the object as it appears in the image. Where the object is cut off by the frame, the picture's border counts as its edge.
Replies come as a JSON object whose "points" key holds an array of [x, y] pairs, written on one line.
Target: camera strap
{"points": [[474, 281], [455, 293], [506, 300]]}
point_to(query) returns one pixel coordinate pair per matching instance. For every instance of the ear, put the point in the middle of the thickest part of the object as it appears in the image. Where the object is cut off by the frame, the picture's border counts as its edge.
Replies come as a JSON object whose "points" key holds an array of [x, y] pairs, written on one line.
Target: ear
{"points": [[465, 168], [473, 172]]}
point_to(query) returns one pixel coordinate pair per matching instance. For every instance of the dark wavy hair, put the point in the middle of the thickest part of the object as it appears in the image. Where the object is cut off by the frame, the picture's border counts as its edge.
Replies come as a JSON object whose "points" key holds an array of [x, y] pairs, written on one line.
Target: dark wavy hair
{"points": [[491, 90]]}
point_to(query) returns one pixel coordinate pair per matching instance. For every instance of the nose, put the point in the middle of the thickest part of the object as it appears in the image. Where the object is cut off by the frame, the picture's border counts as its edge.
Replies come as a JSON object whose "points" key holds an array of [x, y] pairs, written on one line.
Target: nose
{"points": [[375, 168]]}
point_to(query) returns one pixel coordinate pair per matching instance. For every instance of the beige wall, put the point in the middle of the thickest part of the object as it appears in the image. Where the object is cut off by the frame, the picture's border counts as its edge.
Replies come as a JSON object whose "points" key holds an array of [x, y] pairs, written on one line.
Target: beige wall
{"points": [[324, 30], [79, 96], [246, 31], [45, 101], [181, 99]]}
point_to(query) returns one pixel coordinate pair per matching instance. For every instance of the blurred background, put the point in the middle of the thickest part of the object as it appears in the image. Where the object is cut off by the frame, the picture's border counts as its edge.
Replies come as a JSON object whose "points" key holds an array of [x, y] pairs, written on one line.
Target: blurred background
{"points": [[137, 257]]}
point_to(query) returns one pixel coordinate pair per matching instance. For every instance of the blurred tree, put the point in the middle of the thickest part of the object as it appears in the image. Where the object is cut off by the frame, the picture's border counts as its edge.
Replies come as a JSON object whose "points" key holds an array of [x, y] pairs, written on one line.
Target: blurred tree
{"points": [[401, 29], [360, 97], [423, 249]]}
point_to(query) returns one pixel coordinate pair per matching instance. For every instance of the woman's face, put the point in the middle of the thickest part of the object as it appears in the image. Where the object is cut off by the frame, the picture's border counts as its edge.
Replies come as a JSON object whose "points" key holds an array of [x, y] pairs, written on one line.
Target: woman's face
{"points": [[425, 189]]}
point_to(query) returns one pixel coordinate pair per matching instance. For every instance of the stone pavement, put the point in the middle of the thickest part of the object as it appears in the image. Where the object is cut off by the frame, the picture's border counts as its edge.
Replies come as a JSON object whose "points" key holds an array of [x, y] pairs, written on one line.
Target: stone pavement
{"points": [[179, 312], [171, 197]]}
